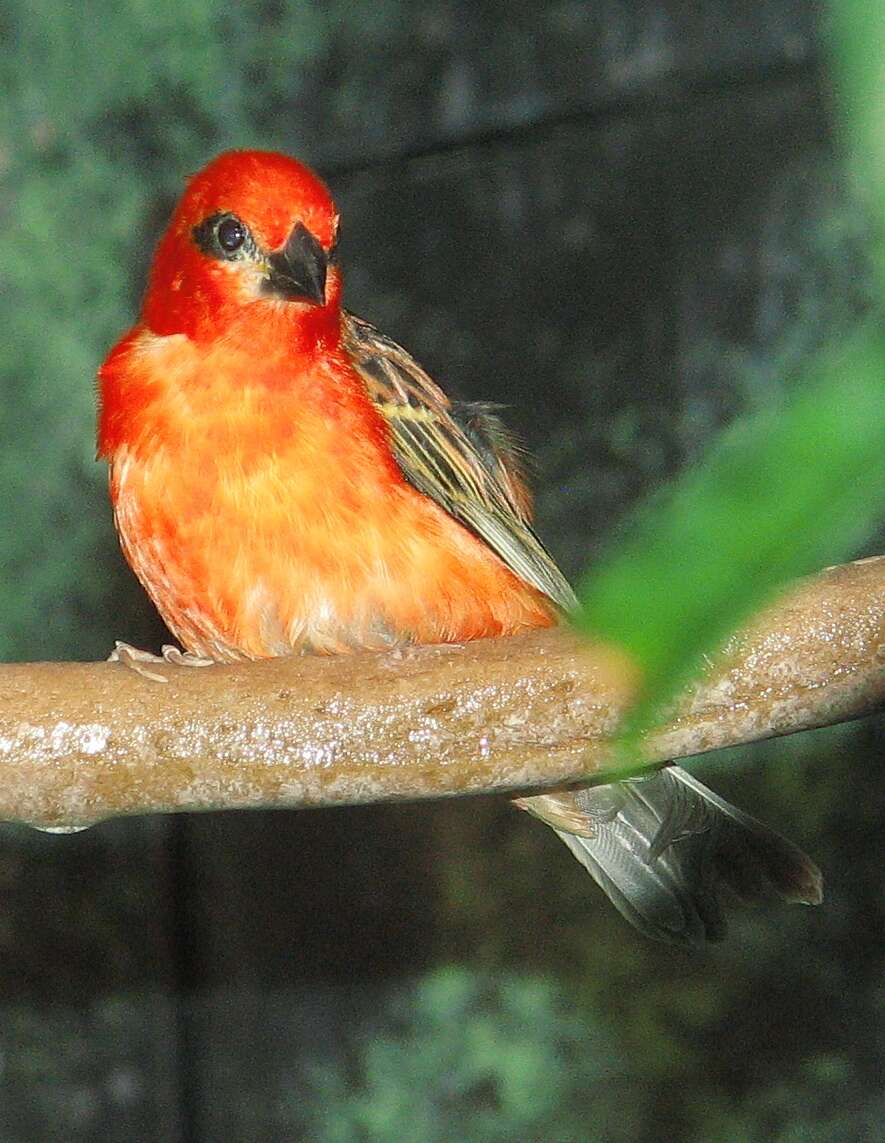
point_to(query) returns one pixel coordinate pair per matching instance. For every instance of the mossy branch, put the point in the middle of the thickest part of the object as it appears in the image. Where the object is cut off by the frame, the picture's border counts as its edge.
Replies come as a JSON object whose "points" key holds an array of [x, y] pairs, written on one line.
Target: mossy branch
{"points": [[80, 742]]}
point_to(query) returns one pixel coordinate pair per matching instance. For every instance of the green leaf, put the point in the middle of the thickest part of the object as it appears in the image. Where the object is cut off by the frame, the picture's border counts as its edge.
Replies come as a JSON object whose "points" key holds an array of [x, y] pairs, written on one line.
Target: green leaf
{"points": [[856, 33], [781, 494]]}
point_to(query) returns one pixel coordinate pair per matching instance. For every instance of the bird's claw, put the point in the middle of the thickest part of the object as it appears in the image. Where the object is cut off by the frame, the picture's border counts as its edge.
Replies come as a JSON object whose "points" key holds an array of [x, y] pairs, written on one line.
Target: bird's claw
{"points": [[181, 658], [137, 660]]}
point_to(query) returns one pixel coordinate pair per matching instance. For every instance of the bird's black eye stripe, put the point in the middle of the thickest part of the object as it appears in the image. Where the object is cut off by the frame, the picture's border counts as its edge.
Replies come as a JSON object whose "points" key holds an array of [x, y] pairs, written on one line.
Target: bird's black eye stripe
{"points": [[223, 236]]}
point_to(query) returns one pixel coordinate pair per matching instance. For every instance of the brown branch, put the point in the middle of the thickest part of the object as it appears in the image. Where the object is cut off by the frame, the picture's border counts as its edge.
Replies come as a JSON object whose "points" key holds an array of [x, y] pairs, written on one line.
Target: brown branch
{"points": [[84, 741]]}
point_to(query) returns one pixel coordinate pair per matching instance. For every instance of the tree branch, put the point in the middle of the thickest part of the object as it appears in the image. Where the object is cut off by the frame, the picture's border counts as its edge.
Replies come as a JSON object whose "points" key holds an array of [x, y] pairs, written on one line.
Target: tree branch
{"points": [[84, 741]]}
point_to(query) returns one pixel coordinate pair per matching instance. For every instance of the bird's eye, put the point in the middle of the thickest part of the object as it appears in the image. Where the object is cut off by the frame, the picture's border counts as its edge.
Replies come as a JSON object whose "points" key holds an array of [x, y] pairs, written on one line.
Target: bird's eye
{"points": [[231, 234], [223, 236]]}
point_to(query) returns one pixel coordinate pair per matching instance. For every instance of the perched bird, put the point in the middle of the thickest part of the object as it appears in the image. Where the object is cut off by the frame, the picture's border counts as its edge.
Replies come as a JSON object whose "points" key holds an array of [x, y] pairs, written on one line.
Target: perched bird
{"points": [[287, 479]]}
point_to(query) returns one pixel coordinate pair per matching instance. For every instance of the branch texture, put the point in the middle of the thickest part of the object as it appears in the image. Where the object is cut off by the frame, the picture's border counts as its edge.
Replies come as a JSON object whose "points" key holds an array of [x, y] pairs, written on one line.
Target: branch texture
{"points": [[84, 741]]}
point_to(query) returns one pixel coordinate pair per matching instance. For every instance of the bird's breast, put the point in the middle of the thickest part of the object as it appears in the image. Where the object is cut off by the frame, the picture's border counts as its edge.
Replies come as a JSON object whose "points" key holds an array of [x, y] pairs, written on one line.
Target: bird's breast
{"points": [[266, 520]]}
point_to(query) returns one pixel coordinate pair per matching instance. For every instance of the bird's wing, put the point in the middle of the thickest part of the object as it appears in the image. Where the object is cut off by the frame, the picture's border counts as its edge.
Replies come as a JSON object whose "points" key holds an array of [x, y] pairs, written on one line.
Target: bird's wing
{"points": [[458, 454]]}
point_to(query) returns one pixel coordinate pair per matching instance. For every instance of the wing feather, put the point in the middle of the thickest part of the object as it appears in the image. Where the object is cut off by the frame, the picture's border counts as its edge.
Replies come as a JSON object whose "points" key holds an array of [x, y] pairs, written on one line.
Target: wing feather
{"points": [[458, 454]]}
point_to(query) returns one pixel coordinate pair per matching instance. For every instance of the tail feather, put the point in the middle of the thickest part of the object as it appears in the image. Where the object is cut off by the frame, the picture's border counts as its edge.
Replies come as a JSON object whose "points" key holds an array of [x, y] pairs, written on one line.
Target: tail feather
{"points": [[664, 847]]}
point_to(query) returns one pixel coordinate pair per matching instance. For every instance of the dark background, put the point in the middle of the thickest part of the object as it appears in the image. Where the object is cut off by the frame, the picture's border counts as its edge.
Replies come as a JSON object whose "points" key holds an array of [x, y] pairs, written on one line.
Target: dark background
{"points": [[622, 219]]}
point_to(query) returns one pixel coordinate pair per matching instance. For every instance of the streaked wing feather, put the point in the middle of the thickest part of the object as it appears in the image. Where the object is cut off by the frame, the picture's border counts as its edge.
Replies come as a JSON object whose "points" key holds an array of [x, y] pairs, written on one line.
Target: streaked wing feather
{"points": [[458, 454], [500, 451]]}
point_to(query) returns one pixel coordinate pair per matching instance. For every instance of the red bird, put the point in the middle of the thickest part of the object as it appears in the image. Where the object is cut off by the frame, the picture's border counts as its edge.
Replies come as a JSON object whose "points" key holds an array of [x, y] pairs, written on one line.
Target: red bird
{"points": [[285, 479]]}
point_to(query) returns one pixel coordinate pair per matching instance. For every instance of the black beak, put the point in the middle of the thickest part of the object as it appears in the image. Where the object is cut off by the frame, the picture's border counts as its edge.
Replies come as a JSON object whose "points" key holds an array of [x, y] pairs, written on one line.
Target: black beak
{"points": [[299, 269]]}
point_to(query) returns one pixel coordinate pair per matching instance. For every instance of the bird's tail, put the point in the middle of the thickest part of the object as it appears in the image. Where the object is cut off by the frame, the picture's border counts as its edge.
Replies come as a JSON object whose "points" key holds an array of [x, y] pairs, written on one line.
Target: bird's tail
{"points": [[664, 847]]}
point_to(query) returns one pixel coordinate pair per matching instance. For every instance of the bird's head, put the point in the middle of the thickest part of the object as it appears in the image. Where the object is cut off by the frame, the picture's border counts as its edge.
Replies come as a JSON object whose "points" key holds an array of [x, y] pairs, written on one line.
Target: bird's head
{"points": [[252, 229]]}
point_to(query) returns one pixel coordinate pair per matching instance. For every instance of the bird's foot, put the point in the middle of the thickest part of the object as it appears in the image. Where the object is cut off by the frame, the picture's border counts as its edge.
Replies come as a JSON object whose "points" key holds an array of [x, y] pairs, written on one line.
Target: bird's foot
{"points": [[181, 658], [137, 660]]}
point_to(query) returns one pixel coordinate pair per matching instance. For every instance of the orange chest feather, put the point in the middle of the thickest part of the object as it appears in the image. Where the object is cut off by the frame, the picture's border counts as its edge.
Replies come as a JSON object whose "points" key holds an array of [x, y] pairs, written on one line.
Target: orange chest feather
{"points": [[264, 518]]}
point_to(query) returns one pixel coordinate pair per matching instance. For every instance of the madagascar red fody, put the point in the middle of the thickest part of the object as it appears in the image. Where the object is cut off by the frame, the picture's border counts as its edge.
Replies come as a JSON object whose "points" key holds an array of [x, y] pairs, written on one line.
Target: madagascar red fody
{"points": [[285, 478], [255, 488]]}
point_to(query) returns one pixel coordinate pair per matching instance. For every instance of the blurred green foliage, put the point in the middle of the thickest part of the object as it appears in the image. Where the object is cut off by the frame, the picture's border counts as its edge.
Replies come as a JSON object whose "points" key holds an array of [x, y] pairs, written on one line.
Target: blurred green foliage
{"points": [[461, 1055], [781, 494], [856, 35]]}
